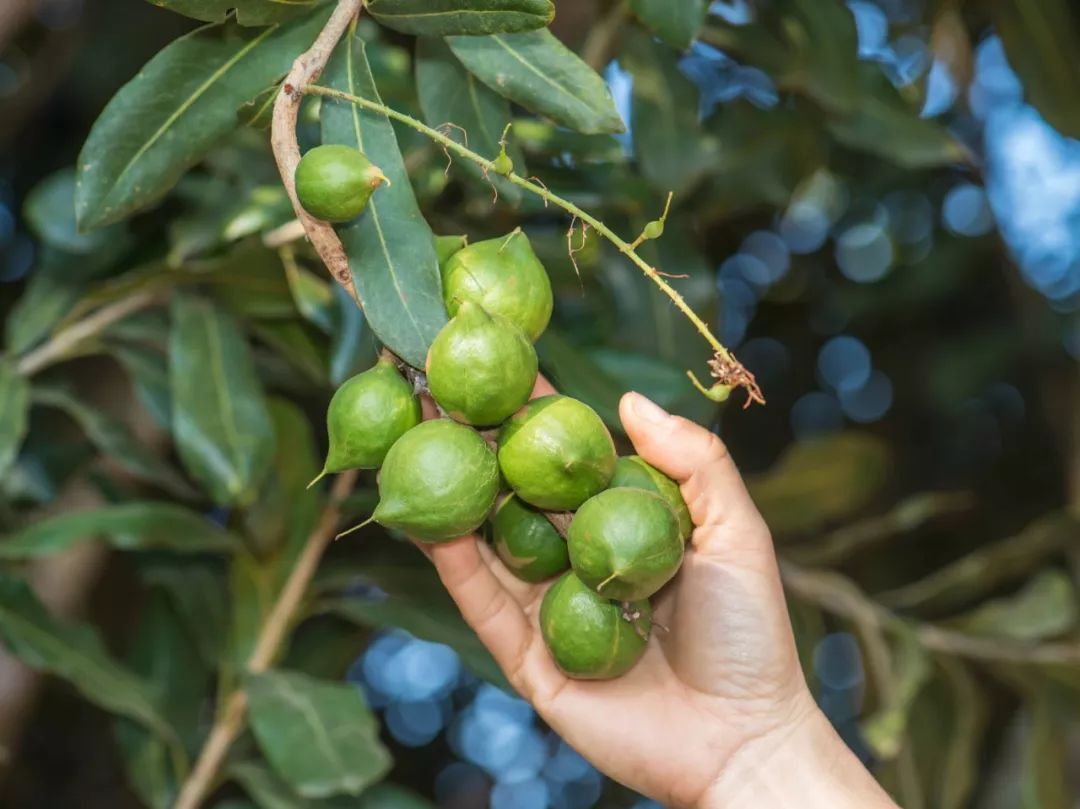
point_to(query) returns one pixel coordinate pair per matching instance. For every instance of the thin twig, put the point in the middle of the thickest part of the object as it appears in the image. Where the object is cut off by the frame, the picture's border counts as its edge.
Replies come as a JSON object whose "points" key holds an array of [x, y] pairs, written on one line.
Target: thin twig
{"points": [[840, 596], [67, 340], [732, 370], [231, 716], [307, 68], [284, 234]]}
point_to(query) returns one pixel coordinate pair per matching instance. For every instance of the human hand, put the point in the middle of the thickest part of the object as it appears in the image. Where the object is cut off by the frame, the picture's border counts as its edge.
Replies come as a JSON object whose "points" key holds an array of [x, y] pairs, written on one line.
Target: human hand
{"points": [[717, 711]]}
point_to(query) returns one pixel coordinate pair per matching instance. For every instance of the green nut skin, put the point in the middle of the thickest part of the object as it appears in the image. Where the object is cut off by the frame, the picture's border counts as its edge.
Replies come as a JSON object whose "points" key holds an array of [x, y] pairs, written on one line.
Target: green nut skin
{"points": [[438, 482], [367, 414], [625, 543], [634, 472], [334, 182], [589, 636], [480, 368], [505, 277], [527, 542], [556, 453]]}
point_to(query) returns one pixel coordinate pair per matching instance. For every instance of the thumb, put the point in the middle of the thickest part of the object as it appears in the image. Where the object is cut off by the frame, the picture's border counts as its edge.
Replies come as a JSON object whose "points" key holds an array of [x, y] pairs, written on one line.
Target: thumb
{"points": [[695, 458]]}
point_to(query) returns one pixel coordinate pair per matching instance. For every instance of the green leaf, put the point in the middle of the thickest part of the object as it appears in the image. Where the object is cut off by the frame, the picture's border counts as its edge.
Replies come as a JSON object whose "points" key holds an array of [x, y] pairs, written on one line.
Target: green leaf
{"points": [[541, 74], [390, 248], [248, 12], [575, 374], [220, 422], [48, 296], [165, 656], [126, 526], [75, 653], [909, 671], [884, 124], [1044, 608], [195, 587], [271, 792], [672, 149], [440, 18], [449, 94], [150, 377], [319, 736], [113, 440], [1042, 42], [347, 346], [49, 210], [674, 21], [410, 597], [258, 112], [14, 408], [312, 294], [178, 106], [821, 480]]}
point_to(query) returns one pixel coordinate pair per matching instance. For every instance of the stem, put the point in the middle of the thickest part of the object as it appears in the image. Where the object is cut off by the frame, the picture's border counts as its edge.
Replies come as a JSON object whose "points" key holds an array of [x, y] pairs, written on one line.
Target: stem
{"points": [[307, 68], [65, 341], [724, 357], [230, 719], [840, 596]]}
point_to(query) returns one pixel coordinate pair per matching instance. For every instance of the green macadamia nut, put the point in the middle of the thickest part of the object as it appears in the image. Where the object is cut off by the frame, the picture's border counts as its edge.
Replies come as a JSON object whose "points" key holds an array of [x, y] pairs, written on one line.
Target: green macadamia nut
{"points": [[634, 472], [367, 414], [527, 542], [591, 637], [334, 182], [625, 544], [505, 277], [480, 367], [438, 482], [556, 453]]}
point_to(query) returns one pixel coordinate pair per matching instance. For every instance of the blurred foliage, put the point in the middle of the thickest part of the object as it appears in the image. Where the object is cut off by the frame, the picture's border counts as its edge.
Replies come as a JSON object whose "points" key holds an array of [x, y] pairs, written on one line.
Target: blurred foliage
{"points": [[921, 481]]}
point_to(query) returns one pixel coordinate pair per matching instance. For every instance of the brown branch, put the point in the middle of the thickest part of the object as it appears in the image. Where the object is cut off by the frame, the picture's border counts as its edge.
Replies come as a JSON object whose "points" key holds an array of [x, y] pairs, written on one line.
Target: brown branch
{"points": [[840, 596], [230, 719], [305, 70]]}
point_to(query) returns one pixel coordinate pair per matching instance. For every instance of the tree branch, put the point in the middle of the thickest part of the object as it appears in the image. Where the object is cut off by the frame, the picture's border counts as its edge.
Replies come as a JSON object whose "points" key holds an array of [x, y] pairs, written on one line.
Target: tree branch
{"points": [[231, 715], [307, 68], [726, 369], [67, 340]]}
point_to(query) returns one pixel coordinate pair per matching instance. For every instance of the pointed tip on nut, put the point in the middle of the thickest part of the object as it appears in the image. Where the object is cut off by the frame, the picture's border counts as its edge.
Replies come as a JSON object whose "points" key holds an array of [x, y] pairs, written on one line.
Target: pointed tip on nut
{"points": [[378, 178]]}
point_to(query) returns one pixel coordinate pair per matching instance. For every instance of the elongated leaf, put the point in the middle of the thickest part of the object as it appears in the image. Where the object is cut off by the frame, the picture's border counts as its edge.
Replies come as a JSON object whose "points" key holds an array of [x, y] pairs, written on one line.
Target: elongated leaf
{"points": [[49, 210], [319, 736], [127, 526], [541, 74], [220, 421], [113, 439], [271, 792], [49, 295], [1042, 41], [574, 373], [248, 12], [911, 667], [468, 17], [390, 248], [451, 94], [674, 21], [179, 105], [821, 480], [165, 656], [75, 653], [14, 407], [195, 587], [885, 125], [349, 344], [1044, 608], [673, 150], [150, 377]]}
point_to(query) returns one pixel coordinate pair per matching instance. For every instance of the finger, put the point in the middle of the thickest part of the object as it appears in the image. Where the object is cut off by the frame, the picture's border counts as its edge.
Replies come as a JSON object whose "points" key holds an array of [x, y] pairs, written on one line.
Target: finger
{"points": [[542, 388], [523, 592], [485, 604], [694, 457]]}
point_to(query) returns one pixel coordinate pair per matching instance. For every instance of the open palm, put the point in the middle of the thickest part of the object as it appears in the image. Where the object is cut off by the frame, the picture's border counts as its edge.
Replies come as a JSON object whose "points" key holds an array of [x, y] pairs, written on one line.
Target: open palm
{"points": [[720, 672]]}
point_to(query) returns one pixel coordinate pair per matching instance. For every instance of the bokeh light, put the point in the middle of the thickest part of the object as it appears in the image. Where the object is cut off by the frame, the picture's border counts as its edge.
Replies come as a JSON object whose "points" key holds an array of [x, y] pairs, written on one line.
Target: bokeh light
{"points": [[844, 363], [966, 211], [864, 252], [870, 401]]}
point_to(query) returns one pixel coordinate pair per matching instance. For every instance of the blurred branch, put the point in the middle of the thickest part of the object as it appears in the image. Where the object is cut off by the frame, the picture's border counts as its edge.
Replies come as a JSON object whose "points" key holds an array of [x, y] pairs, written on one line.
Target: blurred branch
{"points": [[68, 339], [599, 44], [908, 516], [231, 714], [987, 567], [840, 596], [306, 69]]}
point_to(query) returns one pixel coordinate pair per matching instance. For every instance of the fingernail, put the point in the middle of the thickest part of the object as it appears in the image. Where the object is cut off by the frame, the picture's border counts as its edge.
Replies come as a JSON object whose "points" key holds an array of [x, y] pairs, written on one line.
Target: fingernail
{"points": [[648, 410]]}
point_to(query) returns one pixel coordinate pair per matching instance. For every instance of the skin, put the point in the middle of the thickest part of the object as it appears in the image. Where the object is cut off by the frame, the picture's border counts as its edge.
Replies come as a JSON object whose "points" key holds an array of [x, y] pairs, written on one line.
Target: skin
{"points": [[717, 713]]}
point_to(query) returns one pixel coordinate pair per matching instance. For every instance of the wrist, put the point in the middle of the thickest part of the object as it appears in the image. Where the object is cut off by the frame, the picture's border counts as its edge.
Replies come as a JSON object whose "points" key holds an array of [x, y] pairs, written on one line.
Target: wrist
{"points": [[803, 763]]}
